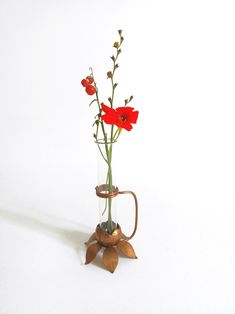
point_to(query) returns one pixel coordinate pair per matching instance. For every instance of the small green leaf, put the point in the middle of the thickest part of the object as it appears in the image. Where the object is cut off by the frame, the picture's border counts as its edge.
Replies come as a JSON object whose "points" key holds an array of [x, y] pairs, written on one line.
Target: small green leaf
{"points": [[92, 101]]}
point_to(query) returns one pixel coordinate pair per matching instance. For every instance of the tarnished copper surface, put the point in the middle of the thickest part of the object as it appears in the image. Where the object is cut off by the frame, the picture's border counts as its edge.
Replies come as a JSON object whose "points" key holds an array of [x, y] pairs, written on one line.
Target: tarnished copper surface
{"points": [[126, 248], [136, 213], [114, 241], [110, 258], [101, 191], [92, 251], [106, 239]]}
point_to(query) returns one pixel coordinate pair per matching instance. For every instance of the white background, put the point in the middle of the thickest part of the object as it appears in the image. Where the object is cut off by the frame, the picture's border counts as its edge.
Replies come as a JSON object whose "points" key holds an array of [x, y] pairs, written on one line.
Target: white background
{"points": [[178, 61]]}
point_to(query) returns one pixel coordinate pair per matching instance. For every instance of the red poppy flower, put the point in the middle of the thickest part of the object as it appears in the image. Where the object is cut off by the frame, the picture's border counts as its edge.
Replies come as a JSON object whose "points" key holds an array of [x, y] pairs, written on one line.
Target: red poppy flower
{"points": [[122, 117], [126, 116]]}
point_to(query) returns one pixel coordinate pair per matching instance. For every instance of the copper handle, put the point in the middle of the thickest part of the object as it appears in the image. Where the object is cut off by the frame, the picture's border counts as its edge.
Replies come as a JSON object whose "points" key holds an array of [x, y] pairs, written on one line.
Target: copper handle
{"points": [[136, 213]]}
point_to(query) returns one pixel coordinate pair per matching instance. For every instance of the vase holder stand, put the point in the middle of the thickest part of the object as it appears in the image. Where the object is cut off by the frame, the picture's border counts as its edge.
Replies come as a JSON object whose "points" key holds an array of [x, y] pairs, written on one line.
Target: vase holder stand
{"points": [[112, 243]]}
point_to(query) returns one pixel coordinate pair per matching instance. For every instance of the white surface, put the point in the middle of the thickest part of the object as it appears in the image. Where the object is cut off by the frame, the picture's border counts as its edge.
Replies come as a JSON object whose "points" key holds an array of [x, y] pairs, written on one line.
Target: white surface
{"points": [[178, 61]]}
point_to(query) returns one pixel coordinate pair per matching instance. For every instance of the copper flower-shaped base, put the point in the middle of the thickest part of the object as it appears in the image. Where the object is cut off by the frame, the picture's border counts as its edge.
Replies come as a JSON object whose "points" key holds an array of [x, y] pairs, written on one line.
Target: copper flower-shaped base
{"points": [[112, 243]]}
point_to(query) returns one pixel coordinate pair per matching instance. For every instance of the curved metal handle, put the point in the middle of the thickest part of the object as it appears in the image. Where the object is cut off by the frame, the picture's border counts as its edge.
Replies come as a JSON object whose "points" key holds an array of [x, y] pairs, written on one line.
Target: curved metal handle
{"points": [[136, 213]]}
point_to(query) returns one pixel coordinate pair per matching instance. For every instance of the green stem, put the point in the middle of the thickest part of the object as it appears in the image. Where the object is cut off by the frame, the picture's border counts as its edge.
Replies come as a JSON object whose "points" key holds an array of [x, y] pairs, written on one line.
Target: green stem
{"points": [[110, 185], [110, 227], [100, 121], [102, 153]]}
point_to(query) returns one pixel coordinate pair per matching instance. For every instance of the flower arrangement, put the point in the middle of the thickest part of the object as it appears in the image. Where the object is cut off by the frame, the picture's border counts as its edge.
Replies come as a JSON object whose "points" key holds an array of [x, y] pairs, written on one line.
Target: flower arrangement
{"points": [[109, 123]]}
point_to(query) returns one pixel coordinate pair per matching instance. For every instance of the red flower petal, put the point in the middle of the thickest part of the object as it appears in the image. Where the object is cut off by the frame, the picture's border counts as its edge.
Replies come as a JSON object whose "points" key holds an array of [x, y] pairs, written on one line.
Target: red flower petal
{"points": [[107, 109], [134, 116], [110, 116], [127, 127], [123, 125]]}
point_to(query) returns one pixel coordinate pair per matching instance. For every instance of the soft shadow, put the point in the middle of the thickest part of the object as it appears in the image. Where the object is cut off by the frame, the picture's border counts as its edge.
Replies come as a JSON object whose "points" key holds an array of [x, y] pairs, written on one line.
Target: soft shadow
{"points": [[70, 233]]}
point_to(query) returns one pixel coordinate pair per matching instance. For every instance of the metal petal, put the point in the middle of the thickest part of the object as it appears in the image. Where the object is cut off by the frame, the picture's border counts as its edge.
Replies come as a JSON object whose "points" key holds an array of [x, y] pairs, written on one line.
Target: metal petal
{"points": [[110, 259], [91, 239], [126, 248], [92, 251]]}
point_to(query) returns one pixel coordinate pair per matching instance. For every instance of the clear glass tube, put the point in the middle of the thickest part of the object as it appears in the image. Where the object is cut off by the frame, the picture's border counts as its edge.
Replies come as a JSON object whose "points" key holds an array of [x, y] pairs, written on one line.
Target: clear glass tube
{"points": [[106, 180]]}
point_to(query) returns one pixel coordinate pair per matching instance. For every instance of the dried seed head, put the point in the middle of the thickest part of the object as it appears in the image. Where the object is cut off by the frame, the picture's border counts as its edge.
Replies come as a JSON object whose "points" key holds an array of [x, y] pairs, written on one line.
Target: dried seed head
{"points": [[116, 44], [109, 74]]}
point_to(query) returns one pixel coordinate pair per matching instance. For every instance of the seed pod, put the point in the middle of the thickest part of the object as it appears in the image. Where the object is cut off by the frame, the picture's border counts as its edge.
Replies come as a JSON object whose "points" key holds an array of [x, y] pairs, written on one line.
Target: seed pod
{"points": [[109, 74], [116, 44]]}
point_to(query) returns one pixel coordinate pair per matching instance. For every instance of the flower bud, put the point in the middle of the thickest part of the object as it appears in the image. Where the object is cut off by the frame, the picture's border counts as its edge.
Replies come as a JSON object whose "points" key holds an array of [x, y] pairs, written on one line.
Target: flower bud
{"points": [[112, 58], [131, 98], [116, 66], [110, 99], [116, 44], [115, 85], [120, 32]]}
